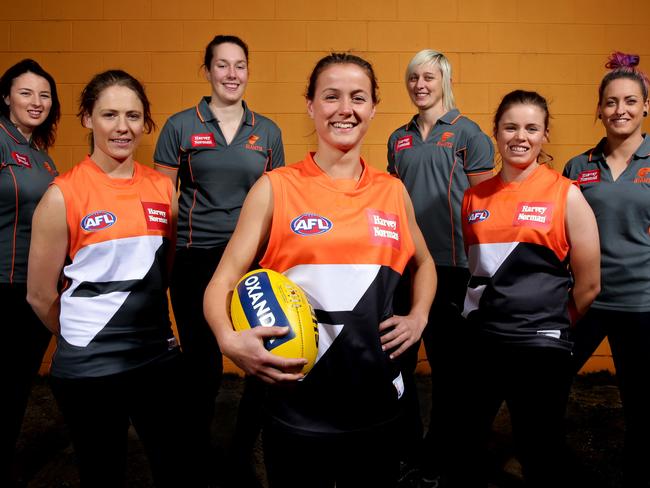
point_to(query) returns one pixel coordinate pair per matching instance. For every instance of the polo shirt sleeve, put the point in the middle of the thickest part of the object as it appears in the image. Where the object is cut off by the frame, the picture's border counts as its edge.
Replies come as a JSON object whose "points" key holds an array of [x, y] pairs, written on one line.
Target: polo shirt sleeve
{"points": [[566, 172], [480, 154], [277, 149], [168, 146], [391, 156]]}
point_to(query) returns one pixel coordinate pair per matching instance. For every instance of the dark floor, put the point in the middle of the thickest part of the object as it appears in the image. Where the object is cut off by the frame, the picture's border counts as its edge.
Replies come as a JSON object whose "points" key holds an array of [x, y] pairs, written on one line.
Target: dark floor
{"points": [[595, 430]]}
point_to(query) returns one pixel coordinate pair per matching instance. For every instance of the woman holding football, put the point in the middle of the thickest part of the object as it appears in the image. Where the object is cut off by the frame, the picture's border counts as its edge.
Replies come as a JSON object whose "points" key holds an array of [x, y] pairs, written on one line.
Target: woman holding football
{"points": [[337, 424]]}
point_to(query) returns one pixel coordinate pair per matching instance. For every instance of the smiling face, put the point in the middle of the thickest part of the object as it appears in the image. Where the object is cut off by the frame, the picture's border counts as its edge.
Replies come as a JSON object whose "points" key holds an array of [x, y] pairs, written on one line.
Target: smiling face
{"points": [[29, 101], [117, 122], [520, 133], [228, 73], [622, 107], [425, 87], [342, 106]]}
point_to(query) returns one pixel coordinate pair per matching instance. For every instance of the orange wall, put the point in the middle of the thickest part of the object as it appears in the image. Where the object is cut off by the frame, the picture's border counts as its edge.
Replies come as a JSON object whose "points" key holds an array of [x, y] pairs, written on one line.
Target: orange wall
{"points": [[557, 47]]}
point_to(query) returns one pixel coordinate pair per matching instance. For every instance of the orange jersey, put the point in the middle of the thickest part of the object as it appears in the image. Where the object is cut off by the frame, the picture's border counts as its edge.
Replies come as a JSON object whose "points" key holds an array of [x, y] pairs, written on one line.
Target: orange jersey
{"points": [[346, 244], [114, 314], [517, 250]]}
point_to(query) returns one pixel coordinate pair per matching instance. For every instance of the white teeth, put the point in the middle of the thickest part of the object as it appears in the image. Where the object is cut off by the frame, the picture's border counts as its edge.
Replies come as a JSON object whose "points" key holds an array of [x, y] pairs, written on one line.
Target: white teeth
{"points": [[343, 125], [518, 149]]}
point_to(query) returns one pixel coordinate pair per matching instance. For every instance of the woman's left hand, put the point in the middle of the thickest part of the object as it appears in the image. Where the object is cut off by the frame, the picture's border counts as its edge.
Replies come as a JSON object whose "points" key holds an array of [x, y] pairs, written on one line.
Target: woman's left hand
{"points": [[400, 332]]}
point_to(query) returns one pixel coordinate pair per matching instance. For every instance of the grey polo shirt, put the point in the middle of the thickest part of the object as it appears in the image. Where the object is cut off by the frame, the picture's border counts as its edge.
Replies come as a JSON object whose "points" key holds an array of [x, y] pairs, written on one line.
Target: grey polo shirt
{"points": [[215, 177], [435, 174], [25, 173], [622, 209]]}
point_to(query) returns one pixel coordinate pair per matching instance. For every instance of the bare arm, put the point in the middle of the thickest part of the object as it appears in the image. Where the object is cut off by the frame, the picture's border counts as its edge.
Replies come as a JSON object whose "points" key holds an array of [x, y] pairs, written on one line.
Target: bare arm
{"points": [[49, 246], [245, 348], [582, 232], [407, 330]]}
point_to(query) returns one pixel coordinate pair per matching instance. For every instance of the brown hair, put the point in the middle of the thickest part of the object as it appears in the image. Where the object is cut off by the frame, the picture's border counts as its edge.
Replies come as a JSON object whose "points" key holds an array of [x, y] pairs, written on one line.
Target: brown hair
{"points": [[342, 58]]}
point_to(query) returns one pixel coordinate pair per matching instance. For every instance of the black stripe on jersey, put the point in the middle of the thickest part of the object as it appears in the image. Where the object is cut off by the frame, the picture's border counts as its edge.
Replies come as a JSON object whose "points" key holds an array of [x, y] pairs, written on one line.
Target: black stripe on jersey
{"points": [[88, 289]]}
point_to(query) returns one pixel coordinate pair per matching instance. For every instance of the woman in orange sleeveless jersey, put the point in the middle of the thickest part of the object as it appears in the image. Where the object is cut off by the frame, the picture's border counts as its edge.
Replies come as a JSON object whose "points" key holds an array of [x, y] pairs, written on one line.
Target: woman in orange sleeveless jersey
{"points": [[336, 426], [521, 229], [108, 225]]}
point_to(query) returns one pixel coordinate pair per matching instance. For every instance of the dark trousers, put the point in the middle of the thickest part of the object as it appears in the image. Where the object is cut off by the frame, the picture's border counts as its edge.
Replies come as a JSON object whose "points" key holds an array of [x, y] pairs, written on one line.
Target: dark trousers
{"points": [[359, 460], [448, 341], [26, 340], [193, 270], [534, 382], [629, 339], [153, 398]]}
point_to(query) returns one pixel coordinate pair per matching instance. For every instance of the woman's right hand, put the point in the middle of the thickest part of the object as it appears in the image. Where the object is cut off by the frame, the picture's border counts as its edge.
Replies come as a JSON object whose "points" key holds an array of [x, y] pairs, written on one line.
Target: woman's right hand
{"points": [[246, 349]]}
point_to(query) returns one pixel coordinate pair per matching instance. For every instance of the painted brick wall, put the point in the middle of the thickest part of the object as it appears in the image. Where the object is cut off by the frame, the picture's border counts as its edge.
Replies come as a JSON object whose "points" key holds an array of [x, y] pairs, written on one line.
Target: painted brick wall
{"points": [[557, 48]]}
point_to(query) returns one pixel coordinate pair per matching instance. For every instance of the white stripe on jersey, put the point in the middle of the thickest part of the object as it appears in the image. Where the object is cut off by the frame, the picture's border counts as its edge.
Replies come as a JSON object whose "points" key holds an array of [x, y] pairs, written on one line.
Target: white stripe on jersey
{"points": [[131, 258], [333, 288], [484, 260]]}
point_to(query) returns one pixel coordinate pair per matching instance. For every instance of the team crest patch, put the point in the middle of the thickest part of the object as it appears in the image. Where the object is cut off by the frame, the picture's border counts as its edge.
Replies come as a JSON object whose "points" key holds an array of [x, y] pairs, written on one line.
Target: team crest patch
{"points": [[156, 215], [383, 228], [309, 224], [533, 214], [444, 139], [21, 159], [403, 143], [642, 176], [99, 220], [252, 140], [203, 140], [476, 216], [589, 176]]}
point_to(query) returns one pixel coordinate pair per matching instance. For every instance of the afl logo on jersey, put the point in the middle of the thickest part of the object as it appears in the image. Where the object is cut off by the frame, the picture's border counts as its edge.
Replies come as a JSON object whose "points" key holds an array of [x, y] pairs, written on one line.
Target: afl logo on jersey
{"points": [[478, 216], [100, 220], [310, 224]]}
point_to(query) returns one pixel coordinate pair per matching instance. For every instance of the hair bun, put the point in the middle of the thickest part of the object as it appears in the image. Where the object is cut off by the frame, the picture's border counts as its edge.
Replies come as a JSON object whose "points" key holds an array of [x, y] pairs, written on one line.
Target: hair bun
{"points": [[618, 60]]}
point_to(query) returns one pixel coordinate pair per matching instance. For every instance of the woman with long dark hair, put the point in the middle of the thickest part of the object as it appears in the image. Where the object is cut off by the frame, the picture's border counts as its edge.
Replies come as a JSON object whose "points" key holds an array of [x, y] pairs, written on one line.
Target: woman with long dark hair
{"points": [[29, 112]]}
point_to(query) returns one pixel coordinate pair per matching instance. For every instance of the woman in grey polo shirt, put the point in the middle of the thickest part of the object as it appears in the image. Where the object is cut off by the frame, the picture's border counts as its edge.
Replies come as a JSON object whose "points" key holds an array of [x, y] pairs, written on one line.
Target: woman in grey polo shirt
{"points": [[614, 177], [29, 112], [215, 152], [438, 154]]}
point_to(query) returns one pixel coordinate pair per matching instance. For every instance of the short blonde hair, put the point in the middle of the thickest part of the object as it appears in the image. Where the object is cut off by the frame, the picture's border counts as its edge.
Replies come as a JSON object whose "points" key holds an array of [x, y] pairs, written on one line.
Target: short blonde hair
{"points": [[429, 56]]}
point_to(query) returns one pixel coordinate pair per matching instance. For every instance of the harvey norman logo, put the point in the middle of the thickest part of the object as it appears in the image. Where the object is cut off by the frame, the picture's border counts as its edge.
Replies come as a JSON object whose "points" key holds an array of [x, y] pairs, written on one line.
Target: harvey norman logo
{"points": [[403, 143], [383, 228], [156, 215], [203, 140], [533, 214], [589, 176]]}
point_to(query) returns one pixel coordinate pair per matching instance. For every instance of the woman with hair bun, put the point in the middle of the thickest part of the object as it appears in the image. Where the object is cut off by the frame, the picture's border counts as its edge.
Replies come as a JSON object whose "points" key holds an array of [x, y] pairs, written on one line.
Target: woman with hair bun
{"points": [[614, 177], [336, 427], [532, 246]]}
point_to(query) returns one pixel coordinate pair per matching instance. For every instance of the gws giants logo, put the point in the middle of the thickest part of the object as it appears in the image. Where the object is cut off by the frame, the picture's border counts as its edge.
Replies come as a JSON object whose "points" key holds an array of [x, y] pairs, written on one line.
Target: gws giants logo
{"points": [[100, 220], [476, 216], [642, 176], [444, 140], [251, 143], [403, 143], [310, 224]]}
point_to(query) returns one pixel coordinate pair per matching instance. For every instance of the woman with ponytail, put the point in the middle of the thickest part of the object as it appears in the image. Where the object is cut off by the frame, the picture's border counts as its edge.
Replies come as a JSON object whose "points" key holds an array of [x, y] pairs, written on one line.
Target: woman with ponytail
{"points": [[614, 177]]}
